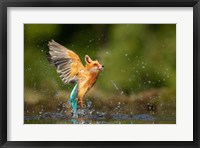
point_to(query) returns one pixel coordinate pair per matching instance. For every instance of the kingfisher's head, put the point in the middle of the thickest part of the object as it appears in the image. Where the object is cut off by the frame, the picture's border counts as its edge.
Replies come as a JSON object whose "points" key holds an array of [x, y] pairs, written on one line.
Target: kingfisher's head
{"points": [[93, 66]]}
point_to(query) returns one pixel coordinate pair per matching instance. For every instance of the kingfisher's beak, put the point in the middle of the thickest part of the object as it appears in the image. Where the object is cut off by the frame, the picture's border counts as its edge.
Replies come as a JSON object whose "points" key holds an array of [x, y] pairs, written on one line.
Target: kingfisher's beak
{"points": [[102, 67]]}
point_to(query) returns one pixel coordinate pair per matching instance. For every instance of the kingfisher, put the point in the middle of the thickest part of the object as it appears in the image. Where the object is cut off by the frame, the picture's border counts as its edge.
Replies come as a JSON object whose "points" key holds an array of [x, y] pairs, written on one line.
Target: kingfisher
{"points": [[68, 65]]}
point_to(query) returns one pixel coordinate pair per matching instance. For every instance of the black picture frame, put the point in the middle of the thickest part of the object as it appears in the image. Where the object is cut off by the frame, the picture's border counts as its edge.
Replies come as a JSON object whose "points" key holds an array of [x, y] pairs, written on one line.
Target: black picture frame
{"points": [[4, 4]]}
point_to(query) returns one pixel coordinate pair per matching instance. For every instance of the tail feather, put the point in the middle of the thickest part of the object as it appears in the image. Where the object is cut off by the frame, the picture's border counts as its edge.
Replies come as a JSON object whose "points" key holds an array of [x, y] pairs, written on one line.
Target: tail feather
{"points": [[72, 100]]}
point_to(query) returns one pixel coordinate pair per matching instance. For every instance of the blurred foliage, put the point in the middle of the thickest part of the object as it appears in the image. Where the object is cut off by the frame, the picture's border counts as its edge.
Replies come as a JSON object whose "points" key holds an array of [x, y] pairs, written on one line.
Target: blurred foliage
{"points": [[137, 58]]}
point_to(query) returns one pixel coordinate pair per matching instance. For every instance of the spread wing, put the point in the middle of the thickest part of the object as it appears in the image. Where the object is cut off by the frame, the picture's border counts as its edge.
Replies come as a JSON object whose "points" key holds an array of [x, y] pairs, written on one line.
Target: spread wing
{"points": [[67, 63]]}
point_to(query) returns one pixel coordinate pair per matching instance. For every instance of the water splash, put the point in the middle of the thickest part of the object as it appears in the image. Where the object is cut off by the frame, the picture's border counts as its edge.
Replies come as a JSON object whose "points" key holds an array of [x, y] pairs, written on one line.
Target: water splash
{"points": [[115, 85]]}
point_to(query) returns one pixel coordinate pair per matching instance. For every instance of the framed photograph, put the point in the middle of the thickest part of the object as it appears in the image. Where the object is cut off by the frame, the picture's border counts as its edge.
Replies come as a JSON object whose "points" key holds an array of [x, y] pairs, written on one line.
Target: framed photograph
{"points": [[104, 73]]}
